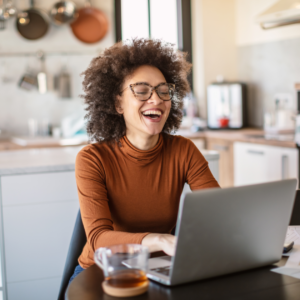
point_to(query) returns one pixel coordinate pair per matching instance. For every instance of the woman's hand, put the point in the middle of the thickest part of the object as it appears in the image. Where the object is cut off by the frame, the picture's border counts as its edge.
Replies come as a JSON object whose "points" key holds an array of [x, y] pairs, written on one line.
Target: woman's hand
{"points": [[160, 242]]}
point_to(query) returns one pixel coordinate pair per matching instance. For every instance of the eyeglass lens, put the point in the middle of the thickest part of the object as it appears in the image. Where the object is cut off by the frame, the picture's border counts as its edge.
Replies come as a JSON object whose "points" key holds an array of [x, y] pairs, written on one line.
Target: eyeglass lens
{"points": [[143, 92]]}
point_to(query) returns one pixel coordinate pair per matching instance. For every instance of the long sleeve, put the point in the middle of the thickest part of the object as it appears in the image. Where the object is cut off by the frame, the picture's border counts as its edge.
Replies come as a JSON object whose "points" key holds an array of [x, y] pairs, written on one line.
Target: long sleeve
{"points": [[126, 193], [94, 204], [198, 174]]}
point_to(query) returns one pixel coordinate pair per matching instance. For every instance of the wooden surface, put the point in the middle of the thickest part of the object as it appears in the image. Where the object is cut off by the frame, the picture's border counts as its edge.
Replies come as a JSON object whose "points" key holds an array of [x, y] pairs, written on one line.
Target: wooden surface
{"points": [[258, 284], [242, 135], [247, 135], [225, 149], [125, 293]]}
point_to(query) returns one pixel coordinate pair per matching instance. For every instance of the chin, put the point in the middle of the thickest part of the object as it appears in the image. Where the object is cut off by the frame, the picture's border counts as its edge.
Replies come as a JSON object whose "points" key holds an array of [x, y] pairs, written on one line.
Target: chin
{"points": [[154, 131]]}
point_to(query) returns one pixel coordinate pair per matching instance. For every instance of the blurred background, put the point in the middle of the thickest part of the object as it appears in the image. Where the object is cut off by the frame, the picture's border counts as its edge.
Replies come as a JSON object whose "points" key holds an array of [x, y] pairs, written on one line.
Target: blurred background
{"points": [[244, 54], [242, 112]]}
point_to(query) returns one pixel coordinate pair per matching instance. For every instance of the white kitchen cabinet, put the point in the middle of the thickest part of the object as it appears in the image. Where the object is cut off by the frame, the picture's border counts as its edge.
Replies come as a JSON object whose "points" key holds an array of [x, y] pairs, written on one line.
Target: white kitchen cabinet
{"points": [[255, 163], [38, 188], [36, 239], [38, 216], [41, 289]]}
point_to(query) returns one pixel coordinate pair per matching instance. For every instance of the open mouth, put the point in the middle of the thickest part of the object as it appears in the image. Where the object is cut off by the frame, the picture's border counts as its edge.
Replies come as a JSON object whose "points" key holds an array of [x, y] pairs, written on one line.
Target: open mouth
{"points": [[152, 114]]}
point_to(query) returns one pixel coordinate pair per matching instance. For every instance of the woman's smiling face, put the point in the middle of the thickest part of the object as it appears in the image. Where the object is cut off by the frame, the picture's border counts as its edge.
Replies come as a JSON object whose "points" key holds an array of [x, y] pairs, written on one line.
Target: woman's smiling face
{"points": [[146, 118]]}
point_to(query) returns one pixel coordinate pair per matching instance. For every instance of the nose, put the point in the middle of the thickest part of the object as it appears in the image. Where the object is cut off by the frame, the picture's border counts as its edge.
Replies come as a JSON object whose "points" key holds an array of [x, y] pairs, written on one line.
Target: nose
{"points": [[154, 98]]}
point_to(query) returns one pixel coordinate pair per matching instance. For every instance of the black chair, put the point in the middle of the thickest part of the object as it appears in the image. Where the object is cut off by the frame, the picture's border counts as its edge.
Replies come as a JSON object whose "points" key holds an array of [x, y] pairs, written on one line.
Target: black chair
{"points": [[295, 219], [77, 243]]}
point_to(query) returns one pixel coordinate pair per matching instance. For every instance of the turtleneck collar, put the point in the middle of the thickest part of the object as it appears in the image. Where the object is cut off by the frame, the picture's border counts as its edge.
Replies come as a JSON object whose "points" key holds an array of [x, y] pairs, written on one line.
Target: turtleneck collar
{"points": [[141, 157]]}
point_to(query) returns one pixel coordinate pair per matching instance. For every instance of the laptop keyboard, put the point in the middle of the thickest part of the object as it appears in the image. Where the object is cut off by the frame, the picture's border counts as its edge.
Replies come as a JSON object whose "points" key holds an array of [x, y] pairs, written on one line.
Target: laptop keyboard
{"points": [[164, 270]]}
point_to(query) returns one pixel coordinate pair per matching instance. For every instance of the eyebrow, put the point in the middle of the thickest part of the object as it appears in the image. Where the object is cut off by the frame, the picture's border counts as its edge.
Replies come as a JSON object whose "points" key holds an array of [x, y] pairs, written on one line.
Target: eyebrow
{"points": [[149, 83]]}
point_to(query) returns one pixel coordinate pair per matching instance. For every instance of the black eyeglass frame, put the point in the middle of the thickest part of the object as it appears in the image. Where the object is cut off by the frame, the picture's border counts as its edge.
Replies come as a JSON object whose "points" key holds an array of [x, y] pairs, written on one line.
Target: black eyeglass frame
{"points": [[170, 85]]}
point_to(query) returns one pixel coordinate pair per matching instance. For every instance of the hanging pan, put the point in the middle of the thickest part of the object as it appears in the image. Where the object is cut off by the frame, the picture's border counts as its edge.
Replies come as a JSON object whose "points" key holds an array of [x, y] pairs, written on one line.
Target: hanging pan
{"points": [[63, 12], [91, 25], [32, 23]]}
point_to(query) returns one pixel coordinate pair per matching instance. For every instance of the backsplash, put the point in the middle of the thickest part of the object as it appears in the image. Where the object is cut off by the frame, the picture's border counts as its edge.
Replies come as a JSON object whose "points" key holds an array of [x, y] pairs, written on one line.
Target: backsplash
{"points": [[18, 105], [268, 69]]}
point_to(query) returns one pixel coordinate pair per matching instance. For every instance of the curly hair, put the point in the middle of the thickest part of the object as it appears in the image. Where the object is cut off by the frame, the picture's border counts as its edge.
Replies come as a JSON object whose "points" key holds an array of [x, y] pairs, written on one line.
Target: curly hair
{"points": [[105, 76]]}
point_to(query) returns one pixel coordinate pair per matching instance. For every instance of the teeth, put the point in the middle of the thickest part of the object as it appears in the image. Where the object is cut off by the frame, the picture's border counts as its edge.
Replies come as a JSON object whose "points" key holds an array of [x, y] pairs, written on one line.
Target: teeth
{"points": [[152, 112]]}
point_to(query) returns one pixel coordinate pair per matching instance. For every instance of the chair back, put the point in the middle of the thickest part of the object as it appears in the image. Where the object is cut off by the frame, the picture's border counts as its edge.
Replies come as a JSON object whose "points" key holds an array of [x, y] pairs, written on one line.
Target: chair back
{"points": [[295, 219], [77, 243]]}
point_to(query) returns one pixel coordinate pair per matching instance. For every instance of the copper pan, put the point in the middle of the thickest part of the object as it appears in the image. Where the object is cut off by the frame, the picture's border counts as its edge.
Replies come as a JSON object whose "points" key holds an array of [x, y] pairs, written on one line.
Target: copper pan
{"points": [[91, 25]]}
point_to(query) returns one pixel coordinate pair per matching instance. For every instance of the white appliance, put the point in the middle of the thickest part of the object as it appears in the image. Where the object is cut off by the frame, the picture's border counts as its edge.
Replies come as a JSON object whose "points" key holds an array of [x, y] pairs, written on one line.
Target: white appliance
{"points": [[283, 12], [226, 105]]}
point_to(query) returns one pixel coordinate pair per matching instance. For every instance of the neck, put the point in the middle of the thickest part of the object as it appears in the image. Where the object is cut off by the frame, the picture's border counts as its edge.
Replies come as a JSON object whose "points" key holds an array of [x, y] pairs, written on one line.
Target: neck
{"points": [[142, 142]]}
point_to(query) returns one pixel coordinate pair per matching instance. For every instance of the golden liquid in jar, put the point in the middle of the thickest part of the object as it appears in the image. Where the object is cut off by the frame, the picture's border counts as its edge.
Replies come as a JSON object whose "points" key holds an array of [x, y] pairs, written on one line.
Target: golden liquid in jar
{"points": [[126, 278]]}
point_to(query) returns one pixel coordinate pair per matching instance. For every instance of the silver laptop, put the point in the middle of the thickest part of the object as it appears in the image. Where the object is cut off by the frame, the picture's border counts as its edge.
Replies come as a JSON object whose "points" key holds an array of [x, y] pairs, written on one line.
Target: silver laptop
{"points": [[221, 231]]}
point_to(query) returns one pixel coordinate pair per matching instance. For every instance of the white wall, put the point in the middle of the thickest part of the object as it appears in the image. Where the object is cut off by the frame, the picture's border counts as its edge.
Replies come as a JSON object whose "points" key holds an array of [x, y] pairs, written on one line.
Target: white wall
{"points": [[268, 60], [17, 105], [214, 48], [249, 32]]}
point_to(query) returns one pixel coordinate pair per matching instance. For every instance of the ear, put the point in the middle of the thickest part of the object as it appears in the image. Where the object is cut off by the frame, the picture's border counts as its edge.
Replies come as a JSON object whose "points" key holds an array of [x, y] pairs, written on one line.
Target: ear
{"points": [[118, 105]]}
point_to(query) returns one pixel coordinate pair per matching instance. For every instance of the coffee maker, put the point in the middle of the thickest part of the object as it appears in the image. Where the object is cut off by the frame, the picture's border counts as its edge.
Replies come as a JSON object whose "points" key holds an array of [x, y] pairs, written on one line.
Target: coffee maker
{"points": [[226, 105]]}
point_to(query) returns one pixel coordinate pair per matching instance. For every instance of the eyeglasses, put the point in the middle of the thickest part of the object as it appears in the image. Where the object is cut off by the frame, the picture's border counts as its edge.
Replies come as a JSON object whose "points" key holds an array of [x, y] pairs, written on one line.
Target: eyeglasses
{"points": [[143, 91]]}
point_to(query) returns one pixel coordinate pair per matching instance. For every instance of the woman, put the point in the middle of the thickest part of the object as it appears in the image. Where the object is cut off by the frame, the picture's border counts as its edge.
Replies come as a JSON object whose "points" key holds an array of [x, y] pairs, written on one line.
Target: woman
{"points": [[130, 180]]}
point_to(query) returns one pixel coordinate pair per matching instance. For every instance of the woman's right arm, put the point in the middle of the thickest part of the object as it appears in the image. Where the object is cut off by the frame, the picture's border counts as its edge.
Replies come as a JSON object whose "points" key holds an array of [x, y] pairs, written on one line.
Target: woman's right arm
{"points": [[95, 212], [94, 203]]}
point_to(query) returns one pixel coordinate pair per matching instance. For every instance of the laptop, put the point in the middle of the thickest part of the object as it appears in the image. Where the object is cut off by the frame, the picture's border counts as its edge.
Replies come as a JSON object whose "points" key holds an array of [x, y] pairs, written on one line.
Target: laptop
{"points": [[222, 231]]}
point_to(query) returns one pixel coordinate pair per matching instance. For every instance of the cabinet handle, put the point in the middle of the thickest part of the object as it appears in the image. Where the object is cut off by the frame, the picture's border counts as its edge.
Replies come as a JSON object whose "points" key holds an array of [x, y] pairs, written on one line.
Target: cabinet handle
{"points": [[284, 167], [220, 147], [255, 152]]}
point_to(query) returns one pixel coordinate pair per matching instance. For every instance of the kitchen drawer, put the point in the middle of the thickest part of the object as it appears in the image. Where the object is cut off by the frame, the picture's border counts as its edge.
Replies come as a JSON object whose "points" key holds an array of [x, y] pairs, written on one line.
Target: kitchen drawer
{"points": [[46, 289], [38, 188], [200, 143], [225, 150], [36, 239], [254, 163]]}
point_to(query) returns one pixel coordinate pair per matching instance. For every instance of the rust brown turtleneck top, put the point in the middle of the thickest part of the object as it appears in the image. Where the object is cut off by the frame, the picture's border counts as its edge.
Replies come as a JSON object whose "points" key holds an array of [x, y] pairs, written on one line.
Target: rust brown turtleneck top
{"points": [[126, 193]]}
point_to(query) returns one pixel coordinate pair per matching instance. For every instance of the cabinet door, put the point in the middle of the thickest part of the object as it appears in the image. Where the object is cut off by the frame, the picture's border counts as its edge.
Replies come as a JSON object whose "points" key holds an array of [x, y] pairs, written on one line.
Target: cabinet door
{"points": [[255, 163], [38, 188], [39, 212], [45, 289], [250, 164], [200, 143], [289, 163], [36, 239], [225, 149]]}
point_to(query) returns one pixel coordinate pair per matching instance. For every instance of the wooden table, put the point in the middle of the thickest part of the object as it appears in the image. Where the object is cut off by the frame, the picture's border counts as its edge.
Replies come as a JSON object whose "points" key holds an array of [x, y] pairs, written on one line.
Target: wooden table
{"points": [[258, 284]]}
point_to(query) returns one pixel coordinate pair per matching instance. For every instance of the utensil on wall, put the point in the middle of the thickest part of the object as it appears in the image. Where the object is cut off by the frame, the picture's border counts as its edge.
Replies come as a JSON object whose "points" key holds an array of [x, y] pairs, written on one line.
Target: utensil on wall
{"points": [[28, 82], [91, 25], [63, 12], [4, 15], [33, 128], [10, 8], [32, 23], [63, 85], [42, 76]]}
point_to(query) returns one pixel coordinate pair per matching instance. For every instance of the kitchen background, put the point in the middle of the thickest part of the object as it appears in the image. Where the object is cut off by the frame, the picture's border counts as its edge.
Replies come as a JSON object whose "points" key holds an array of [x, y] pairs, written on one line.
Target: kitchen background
{"points": [[66, 53], [226, 41], [225, 44]]}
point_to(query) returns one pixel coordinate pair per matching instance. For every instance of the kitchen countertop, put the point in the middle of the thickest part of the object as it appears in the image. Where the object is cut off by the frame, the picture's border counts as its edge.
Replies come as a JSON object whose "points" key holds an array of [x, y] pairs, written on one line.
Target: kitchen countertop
{"points": [[59, 159], [9, 145], [247, 135], [27, 161]]}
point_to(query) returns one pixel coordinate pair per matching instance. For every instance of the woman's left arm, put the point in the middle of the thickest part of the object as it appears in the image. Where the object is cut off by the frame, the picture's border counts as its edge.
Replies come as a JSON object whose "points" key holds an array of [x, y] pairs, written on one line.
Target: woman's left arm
{"points": [[198, 174]]}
